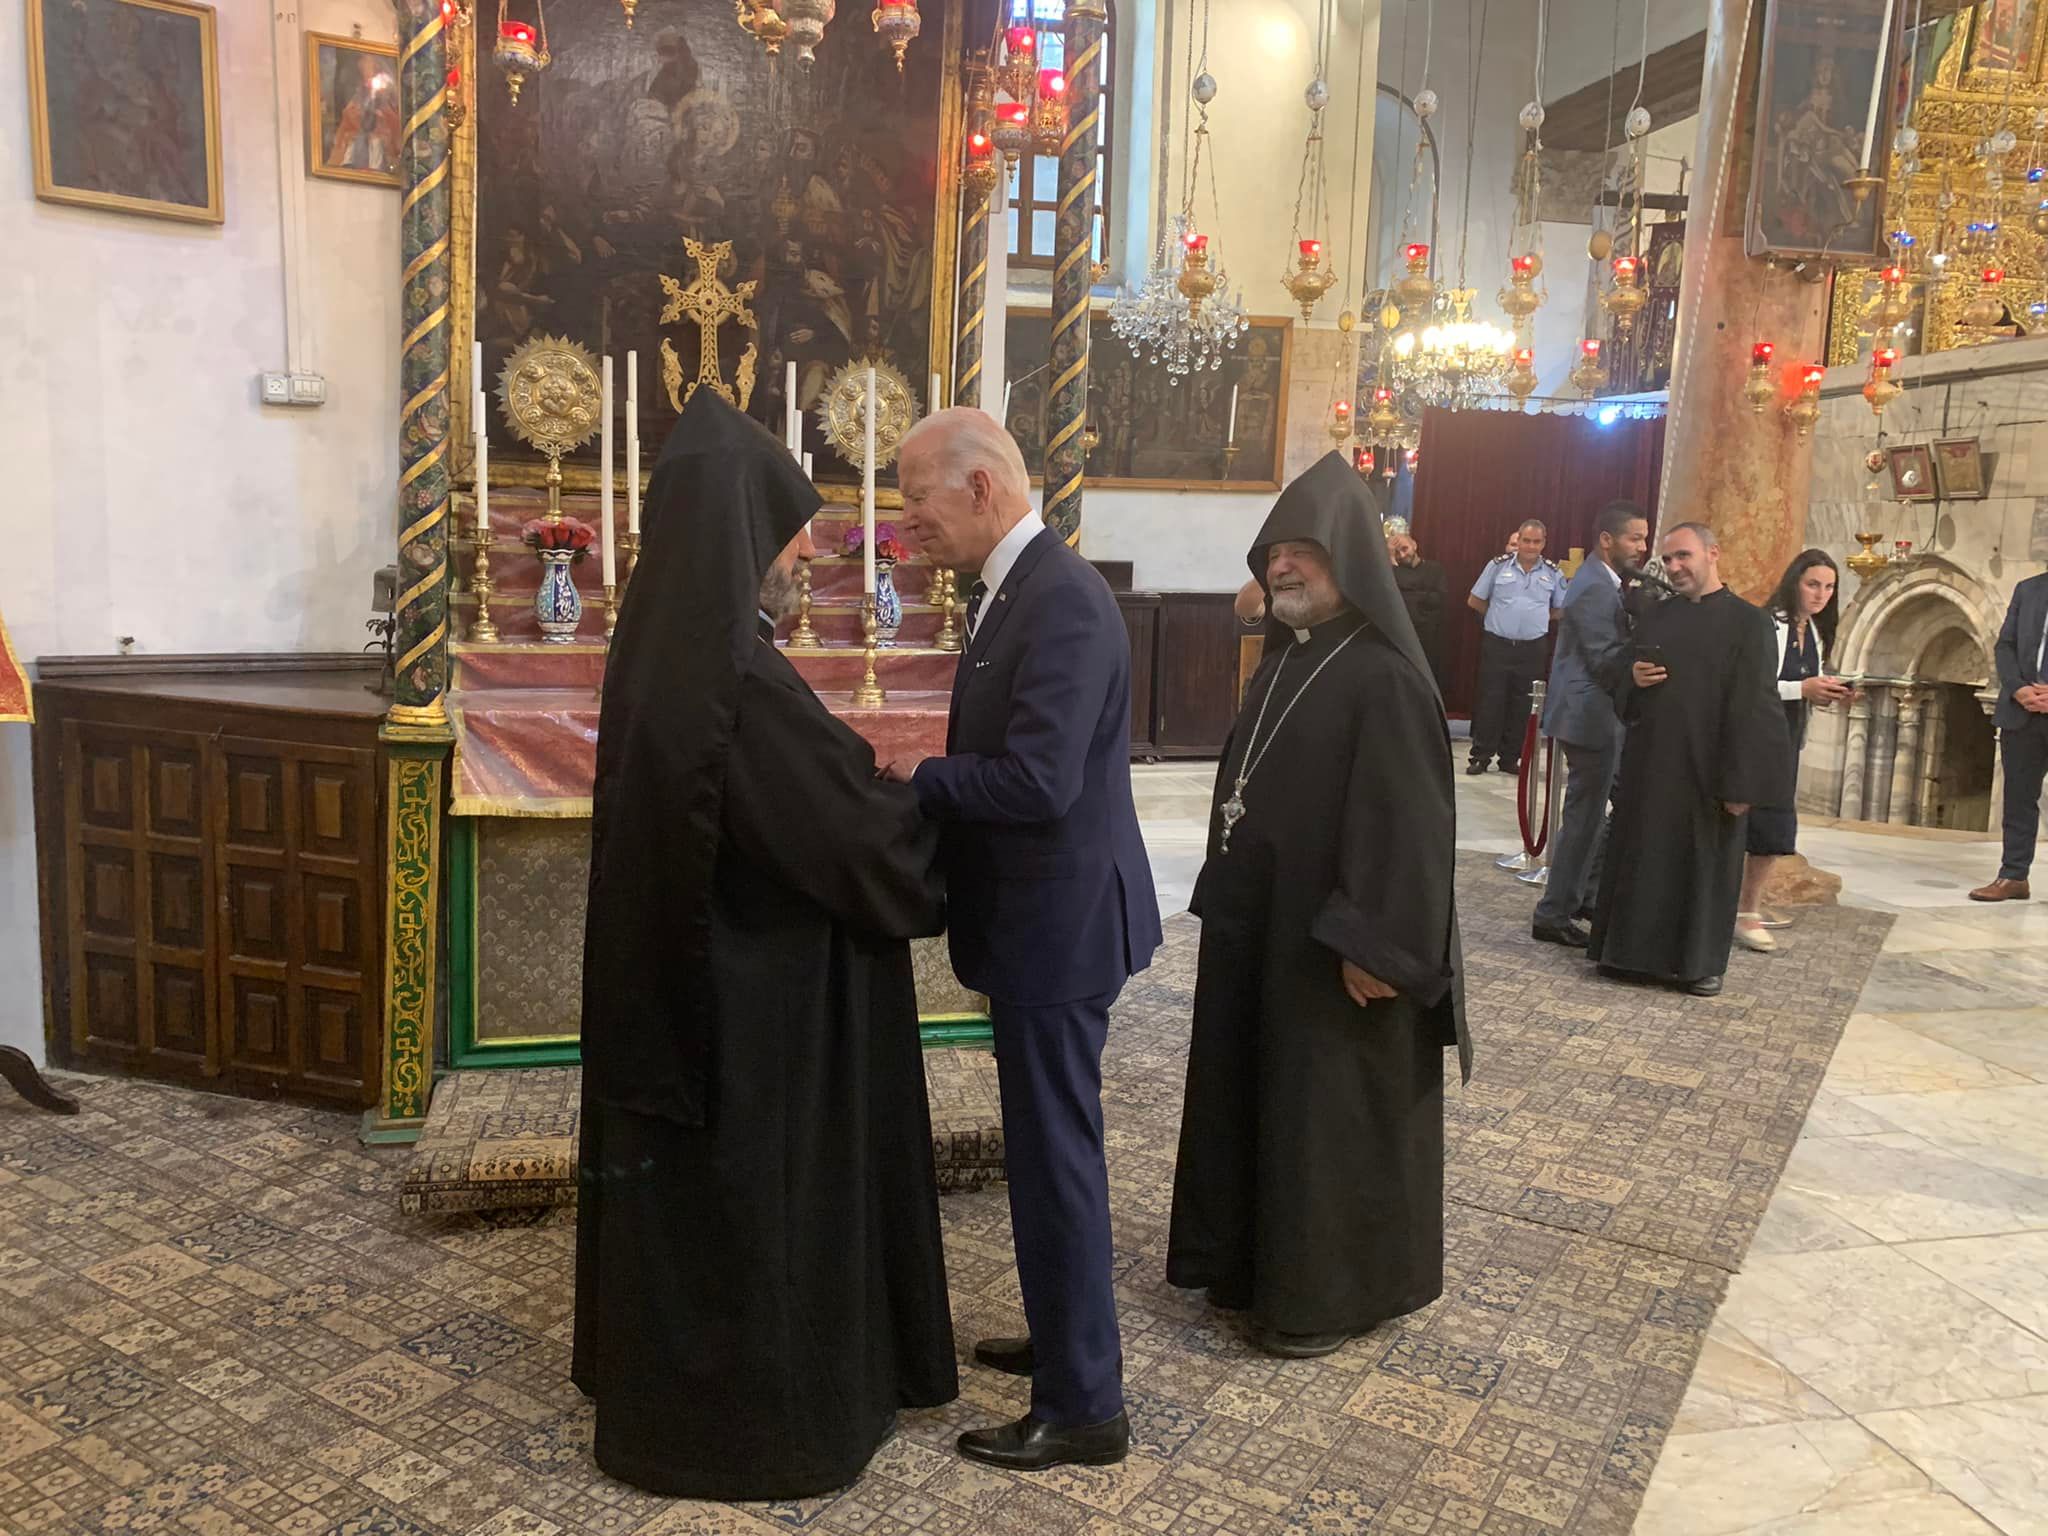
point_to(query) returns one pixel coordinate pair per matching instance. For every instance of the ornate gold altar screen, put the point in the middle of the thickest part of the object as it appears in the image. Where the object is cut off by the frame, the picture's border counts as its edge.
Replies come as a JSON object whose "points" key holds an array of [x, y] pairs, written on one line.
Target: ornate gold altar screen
{"points": [[1973, 89]]}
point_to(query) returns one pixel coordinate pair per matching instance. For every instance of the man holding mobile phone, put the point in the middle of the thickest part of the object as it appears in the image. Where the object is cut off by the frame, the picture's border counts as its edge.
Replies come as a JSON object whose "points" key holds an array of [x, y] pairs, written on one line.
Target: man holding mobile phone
{"points": [[1706, 741]]}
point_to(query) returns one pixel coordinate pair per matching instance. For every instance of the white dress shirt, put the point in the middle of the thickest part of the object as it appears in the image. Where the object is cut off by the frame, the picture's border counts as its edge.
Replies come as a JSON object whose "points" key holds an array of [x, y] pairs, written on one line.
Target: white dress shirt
{"points": [[996, 569]]}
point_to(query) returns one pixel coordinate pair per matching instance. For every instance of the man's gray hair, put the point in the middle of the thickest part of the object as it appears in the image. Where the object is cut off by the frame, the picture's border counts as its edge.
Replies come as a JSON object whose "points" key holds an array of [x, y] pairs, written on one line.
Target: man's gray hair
{"points": [[1533, 522], [1699, 531], [966, 439]]}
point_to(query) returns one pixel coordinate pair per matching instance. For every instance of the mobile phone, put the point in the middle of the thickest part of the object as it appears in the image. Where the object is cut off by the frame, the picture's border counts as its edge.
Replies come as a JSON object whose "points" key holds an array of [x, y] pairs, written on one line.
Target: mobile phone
{"points": [[1650, 655]]}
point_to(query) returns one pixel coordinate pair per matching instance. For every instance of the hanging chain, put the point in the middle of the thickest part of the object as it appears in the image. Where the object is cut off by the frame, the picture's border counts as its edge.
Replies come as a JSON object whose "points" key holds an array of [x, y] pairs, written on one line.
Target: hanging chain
{"points": [[1474, 51]]}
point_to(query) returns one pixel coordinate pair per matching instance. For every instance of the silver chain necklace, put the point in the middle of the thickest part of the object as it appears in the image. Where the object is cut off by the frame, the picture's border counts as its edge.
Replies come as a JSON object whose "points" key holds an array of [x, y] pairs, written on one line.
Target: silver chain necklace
{"points": [[1254, 753]]}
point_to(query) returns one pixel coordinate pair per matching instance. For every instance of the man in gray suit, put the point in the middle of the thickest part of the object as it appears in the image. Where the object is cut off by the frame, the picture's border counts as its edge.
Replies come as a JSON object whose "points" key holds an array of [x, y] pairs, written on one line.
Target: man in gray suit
{"points": [[2022, 721], [1579, 714]]}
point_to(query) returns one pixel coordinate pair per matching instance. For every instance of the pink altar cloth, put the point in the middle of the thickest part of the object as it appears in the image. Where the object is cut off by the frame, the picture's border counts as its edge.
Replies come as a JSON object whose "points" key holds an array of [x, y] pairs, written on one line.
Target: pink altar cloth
{"points": [[533, 751]]}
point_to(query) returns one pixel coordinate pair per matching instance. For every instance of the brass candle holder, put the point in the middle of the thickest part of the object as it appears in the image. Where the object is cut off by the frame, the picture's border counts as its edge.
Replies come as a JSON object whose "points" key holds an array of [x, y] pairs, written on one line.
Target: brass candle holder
{"points": [[870, 694], [949, 609], [483, 629], [629, 555], [611, 611], [803, 637], [1230, 452]]}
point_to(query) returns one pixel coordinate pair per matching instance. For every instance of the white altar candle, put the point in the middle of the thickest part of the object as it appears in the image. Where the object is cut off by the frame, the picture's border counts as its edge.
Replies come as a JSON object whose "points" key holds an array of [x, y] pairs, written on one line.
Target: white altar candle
{"points": [[476, 368], [1230, 436], [633, 443], [867, 492], [1006, 402], [1877, 83], [482, 423], [936, 404], [604, 438], [792, 418]]}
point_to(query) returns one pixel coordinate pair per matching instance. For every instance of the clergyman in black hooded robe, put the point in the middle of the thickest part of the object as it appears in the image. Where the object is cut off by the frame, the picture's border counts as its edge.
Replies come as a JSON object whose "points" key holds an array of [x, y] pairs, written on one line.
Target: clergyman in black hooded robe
{"points": [[759, 1281], [1309, 1188]]}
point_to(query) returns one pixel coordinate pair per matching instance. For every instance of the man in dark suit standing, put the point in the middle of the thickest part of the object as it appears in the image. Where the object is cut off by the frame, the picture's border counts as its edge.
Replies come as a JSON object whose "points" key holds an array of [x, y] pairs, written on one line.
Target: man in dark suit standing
{"points": [[1050, 904], [2022, 721], [1579, 715]]}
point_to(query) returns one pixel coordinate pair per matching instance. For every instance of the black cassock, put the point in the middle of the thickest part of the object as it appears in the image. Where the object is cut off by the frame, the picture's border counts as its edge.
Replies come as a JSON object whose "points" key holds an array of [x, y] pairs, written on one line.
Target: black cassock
{"points": [[1711, 732], [759, 1279], [1310, 1178]]}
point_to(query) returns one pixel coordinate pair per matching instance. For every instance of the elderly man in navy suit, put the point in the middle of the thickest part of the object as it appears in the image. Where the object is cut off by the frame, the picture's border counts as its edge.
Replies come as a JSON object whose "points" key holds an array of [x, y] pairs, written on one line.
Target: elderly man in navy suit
{"points": [[1580, 716], [1050, 906], [2022, 721]]}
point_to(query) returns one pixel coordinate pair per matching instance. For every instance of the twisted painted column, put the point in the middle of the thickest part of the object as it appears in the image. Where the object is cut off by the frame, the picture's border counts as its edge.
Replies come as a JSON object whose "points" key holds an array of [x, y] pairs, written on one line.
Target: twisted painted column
{"points": [[1073, 232], [973, 299], [416, 731], [423, 430]]}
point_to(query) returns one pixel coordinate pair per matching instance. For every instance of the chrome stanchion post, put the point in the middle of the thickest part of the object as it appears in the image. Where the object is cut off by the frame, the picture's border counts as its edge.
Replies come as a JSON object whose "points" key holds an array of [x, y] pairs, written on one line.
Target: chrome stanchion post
{"points": [[1553, 806]]}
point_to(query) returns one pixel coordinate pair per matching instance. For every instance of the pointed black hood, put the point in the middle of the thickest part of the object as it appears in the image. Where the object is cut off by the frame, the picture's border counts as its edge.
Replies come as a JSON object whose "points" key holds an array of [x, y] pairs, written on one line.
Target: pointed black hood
{"points": [[725, 499], [1330, 504]]}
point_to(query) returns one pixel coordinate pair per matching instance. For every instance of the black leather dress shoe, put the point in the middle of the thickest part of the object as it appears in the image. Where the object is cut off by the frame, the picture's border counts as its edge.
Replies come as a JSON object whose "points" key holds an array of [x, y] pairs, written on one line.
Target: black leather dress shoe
{"points": [[1568, 934], [1013, 1357], [1476, 766], [1030, 1445], [1706, 986], [1300, 1346]]}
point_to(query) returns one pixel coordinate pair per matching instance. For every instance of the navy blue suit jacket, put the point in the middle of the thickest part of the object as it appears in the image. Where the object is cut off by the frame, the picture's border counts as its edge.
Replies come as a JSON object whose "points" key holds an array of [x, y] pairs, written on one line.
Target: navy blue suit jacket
{"points": [[1592, 656], [1048, 890], [2018, 650]]}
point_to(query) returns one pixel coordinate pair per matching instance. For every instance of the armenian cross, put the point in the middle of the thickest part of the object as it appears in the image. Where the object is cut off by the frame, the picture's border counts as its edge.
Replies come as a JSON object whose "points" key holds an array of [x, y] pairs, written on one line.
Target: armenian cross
{"points": [[709, 304]]}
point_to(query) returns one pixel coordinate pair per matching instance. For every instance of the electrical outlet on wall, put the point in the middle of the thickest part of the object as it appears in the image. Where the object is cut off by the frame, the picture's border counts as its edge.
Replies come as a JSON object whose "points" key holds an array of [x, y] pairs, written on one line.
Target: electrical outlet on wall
{"points": [[277, 389]]}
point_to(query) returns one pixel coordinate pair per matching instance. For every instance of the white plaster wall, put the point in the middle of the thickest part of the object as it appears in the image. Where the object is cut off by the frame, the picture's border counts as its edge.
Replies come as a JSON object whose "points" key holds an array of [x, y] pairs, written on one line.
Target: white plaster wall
{"points": [[149, 494]]}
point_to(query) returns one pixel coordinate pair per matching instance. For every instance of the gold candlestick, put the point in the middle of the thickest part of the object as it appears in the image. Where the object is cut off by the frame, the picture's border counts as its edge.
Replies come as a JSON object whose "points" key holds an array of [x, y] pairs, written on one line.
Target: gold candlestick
{"points": [[1230, 451], [629, 555], [803, 636], [611, 610], [484, 629], [949, 625], [870, 694]]}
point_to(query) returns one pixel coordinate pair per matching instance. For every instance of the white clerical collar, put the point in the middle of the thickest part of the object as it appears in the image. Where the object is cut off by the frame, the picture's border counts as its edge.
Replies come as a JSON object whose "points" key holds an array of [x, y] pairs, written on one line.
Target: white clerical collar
{"points": [[996, 568], [1301, 637]]}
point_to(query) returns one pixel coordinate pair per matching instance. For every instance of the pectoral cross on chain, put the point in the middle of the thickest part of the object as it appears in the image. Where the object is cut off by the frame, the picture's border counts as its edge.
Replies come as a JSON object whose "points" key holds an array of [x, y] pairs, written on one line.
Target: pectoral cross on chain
{"points": [[710, 304], [1233, 813]]}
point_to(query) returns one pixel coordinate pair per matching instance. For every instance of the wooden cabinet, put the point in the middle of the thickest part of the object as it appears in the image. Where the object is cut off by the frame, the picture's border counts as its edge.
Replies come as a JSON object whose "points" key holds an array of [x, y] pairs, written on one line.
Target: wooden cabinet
{"points": [[211, 859], [1184, 663]]}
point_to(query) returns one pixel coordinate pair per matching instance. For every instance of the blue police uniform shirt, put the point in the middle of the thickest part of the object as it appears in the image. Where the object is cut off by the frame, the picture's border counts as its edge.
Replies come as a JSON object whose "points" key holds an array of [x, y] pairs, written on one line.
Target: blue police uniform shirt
{"points": [[1518, 602]]}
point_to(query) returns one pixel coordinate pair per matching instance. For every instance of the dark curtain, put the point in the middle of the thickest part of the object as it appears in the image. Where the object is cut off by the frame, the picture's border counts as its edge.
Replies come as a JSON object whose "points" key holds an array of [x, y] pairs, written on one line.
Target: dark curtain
{"points": [[1483, 472]]}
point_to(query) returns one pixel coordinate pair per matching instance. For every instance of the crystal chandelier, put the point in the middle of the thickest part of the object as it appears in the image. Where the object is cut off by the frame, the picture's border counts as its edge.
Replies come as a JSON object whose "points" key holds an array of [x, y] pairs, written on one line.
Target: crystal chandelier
{"points": [[1185, 316], [1454, 360], [1166, 325]]}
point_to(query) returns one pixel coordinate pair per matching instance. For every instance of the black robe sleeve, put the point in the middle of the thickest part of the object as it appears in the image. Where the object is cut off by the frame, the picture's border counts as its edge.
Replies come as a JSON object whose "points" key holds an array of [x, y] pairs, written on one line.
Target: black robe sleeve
{"points": [[1754, 765], [1391, 912], [802, 801]]}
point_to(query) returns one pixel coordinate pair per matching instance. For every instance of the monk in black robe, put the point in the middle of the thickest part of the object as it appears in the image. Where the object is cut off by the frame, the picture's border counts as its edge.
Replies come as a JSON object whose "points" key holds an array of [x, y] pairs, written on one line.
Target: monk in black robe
{"points": [[759, 1281], [1310, 1182], [1706, 741]]}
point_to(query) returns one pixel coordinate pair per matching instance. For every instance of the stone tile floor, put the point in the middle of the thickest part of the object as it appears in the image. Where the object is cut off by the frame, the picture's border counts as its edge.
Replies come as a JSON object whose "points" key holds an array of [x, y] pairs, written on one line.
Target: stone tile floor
{"points": [[1880, 1364]]}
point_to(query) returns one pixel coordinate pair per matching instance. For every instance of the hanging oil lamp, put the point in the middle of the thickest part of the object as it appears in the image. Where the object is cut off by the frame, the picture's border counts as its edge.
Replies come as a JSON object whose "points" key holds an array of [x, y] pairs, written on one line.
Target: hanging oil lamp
{"points": [[1589, 374], [1625, 300], [807, 22], [1049, 112], [1415, 291], [1761, 389], [1521, 379], [1803, 410], [1519, 300], [521, 48], [978, 177], [897, 23], [1384, 423], [1196, 282], [1988, 307], [1012, 133], [1310, 279], [1019, 66], [1340, 422], [763, 22], [1880, 390]]}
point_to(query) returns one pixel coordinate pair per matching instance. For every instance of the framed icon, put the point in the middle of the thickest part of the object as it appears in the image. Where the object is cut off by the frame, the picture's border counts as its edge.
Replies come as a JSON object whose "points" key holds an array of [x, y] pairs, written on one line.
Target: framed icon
{"points": [[1912, 467], [1959, 469], [352, 121]]}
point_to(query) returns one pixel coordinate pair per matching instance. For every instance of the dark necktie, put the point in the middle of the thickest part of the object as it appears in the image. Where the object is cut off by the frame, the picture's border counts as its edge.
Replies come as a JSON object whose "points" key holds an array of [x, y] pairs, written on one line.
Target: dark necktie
{"points": [[975, 594]]}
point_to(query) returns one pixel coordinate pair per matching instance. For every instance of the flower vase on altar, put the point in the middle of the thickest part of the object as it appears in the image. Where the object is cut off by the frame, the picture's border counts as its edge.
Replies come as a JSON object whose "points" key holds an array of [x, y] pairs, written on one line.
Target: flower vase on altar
{"points": [[888, 603], [557, 605]]}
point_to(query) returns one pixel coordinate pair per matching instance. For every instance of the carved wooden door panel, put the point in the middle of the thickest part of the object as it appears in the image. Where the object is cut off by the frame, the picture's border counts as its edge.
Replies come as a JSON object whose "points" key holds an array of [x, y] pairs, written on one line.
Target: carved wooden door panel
{"points": [[140, 872], [298, 913]]}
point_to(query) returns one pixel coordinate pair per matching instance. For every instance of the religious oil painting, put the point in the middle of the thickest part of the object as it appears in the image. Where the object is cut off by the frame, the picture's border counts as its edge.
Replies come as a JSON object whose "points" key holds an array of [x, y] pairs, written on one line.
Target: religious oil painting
{"points": [[1959, 469], [2005, 40], [1912, 470], [1155, 431], [1821, 118], [825, 180], [124, 106], [352, 119]]}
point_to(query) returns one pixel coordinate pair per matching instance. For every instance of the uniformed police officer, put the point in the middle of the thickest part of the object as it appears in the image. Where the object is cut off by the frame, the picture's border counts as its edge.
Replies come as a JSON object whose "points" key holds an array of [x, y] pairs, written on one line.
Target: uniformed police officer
{"points": [[1520, 595]]}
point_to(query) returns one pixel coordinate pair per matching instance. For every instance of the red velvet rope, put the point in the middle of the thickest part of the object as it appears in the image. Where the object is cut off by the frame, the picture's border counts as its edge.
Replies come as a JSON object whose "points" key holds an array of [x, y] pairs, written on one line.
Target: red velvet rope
{"points": [[1523, 782]]}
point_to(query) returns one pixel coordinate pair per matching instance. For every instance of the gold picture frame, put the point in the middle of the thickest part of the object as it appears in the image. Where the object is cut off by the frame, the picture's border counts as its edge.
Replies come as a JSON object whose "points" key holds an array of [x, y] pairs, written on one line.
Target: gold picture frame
{"points": [[95, 167], [326, 119], [1959, 469]]}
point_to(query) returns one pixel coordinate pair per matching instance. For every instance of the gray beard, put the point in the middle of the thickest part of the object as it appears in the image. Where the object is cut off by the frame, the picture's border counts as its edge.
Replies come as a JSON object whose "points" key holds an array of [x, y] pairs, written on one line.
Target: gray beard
{"points": [[778, 595], [1294, 609]]}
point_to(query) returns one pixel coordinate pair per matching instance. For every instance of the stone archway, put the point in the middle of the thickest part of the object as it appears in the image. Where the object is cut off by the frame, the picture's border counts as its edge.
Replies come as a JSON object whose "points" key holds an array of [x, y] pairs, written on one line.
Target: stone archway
{"points": [[1917, 745]]}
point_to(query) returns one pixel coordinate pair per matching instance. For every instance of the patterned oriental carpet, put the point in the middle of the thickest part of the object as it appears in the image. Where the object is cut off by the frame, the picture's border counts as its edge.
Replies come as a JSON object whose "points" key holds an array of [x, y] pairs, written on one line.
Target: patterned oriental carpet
{"points": [[217, 1322]]}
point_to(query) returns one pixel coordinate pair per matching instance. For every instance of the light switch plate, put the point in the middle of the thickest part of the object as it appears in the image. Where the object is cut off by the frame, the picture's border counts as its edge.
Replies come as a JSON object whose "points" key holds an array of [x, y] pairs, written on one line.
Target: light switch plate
{"points": [[308, 389]]}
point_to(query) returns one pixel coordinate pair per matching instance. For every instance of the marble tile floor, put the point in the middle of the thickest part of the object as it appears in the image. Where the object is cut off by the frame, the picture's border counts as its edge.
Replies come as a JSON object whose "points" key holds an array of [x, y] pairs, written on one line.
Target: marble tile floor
{"points": [[1880, 1366]]}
